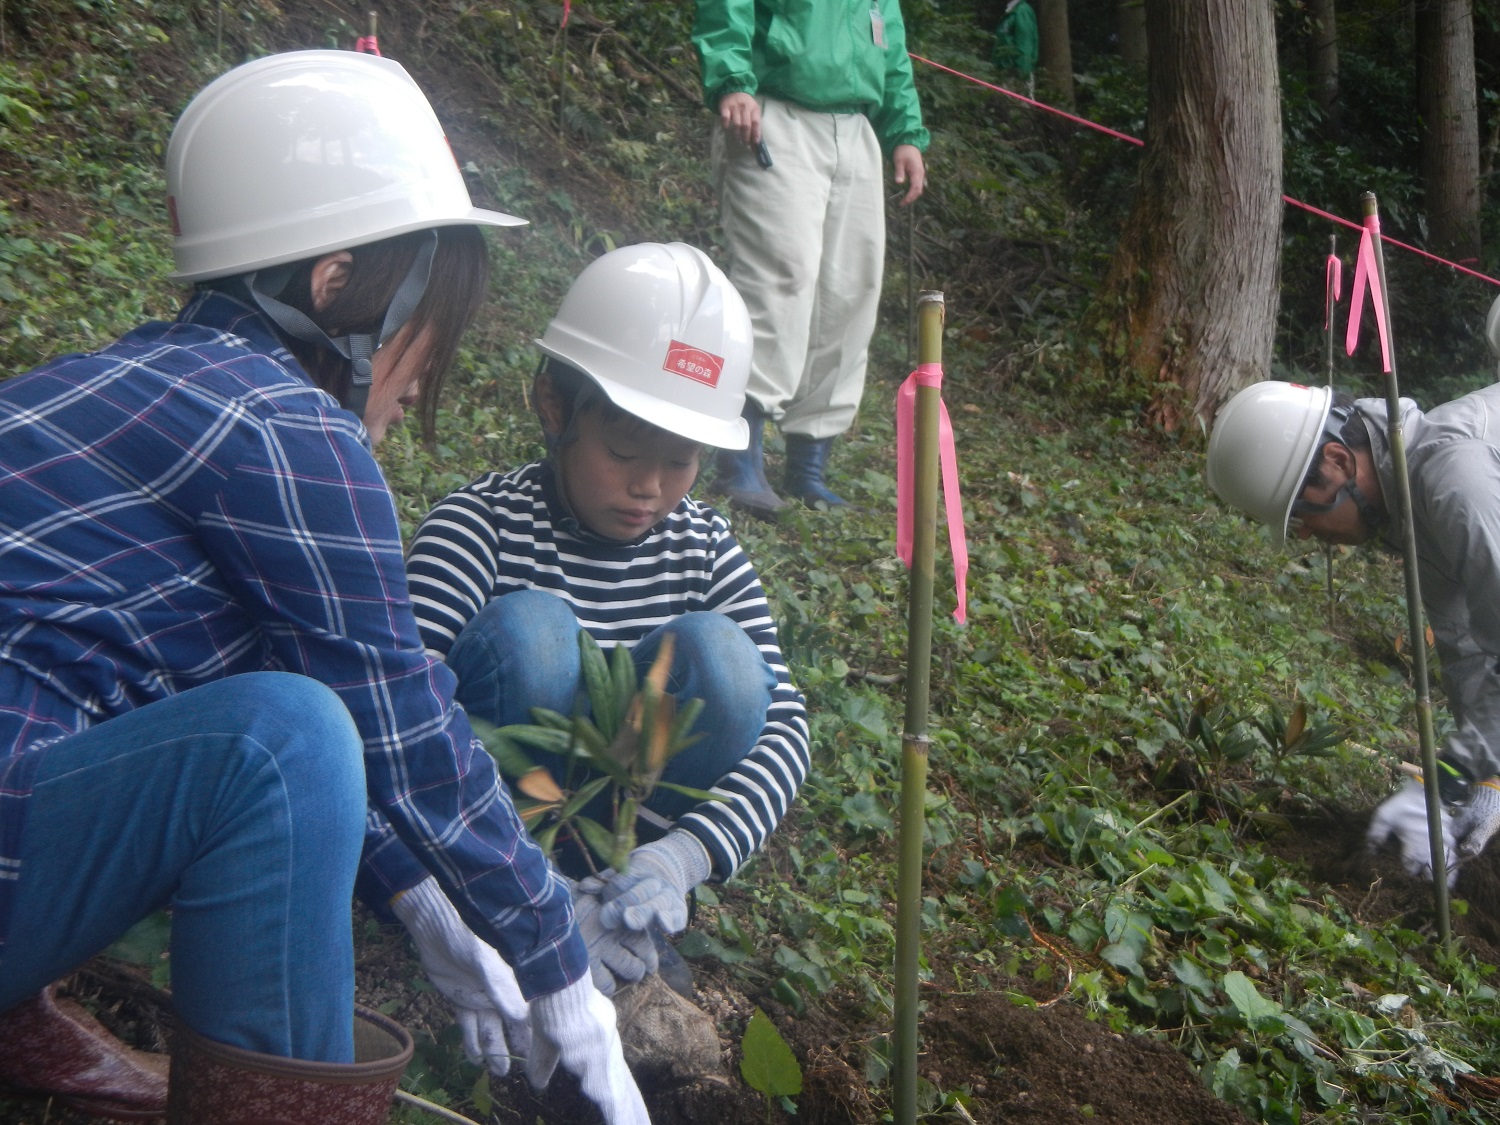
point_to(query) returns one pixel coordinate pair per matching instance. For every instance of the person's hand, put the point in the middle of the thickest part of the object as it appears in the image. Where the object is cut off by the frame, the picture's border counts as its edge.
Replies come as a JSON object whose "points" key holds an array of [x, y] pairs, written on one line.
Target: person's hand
{"points": [[471, 976], [910, 171], [1404, 816], [576, 1027], [654, 887], [1475, 822], [740, 114], [613, 953]]}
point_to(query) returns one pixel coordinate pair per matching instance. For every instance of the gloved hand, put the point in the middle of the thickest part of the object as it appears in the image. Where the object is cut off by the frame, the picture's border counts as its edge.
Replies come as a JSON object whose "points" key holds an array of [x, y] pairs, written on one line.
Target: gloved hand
{"points": [[655, 885], [626, 954], [1475, 822], [1404, 815], [576, 1026], [475, 979]]}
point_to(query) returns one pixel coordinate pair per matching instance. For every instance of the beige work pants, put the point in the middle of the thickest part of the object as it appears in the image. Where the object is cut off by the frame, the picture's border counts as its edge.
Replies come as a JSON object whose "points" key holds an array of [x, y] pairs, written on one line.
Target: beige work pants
{"points": [[806, 242]]}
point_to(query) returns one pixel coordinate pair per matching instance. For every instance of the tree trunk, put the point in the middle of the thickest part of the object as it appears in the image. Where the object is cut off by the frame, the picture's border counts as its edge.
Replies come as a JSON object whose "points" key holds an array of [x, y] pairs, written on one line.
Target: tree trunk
{"points": [[1195, 278], [1448, 106], [1055, 47], [1323, 60], [1487, 77], [1130, 26]]}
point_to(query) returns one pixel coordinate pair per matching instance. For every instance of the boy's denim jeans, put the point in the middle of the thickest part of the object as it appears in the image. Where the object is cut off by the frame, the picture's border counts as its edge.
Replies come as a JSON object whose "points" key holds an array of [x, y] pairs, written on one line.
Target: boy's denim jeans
{"points": [[239, 804], [521, 651]]}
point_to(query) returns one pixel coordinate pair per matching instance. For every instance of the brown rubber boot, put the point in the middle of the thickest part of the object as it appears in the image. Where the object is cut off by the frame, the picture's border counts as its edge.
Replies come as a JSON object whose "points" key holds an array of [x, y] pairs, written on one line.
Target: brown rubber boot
{"points": [[54, 1048], [214, 1084]]}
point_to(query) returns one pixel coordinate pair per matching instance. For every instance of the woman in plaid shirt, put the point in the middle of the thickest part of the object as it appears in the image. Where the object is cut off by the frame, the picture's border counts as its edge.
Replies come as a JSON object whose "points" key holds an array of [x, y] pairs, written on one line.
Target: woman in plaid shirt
{"points": [[213, 695]]}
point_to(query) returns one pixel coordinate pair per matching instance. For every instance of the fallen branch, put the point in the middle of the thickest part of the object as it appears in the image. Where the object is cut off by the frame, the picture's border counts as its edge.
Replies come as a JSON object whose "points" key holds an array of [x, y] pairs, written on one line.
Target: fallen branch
{"points": [[593, 23], [433, 1108]]}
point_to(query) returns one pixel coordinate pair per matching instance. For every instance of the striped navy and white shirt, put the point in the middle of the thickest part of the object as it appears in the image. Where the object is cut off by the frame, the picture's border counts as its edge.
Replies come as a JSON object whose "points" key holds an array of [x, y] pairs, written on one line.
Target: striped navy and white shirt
{"points": [[509, 531], [185, 505]]}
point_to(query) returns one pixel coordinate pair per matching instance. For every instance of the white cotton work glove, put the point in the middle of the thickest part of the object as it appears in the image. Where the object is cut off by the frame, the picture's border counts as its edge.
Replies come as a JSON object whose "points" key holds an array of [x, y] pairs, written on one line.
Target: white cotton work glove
{"points": [[487, 1001], [614, 955], [1475, 822], [1404, 815], [576, 1027], [653, 889]]}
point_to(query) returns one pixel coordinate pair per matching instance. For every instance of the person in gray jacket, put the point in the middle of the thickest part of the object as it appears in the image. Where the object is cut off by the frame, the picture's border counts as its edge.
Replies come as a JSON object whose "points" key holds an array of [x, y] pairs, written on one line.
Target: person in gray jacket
{"points": [[1308, 462]]}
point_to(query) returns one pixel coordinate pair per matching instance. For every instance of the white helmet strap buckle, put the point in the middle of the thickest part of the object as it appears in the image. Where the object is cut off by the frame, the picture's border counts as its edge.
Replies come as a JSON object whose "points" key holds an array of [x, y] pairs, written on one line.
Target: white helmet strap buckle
{"points": [[358, 348]]}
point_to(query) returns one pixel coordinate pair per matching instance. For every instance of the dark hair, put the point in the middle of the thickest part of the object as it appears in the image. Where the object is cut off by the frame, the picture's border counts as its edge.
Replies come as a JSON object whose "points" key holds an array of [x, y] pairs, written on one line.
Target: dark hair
{"points": [[579, 394], [455, 289], [1353, 433]]}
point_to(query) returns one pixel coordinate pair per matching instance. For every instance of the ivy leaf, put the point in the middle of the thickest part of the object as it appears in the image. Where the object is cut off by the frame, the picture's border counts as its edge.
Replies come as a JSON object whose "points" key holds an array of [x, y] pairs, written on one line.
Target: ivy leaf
{"points": [[865, 712], [1190, 974], [1247, 999], [1122, 957], [768, 1064]]}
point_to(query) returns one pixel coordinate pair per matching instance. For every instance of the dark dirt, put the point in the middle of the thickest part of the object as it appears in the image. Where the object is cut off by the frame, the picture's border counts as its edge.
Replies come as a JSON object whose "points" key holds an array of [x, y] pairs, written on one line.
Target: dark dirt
{"points": [[1043, 1064], [1048, 1064], [1376, 889]]}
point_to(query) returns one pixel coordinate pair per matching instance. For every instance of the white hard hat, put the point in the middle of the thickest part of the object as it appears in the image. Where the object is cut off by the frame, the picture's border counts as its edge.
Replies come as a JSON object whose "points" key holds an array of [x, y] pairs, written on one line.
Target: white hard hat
{"points": [[304, 153], [1492, 328], [1263, 442], [665, 335]]}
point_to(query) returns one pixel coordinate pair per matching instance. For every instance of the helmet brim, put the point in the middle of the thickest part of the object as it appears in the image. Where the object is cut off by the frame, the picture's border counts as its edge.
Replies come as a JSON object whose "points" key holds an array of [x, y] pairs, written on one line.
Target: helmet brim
{"points": [[476, 216], [1261, 448], [721, 433]]}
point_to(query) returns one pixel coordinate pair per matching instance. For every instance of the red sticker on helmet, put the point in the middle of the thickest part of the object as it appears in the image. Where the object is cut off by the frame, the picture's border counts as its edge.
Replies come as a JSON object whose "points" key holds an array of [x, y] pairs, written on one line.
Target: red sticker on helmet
{"points": [[693, 363]]}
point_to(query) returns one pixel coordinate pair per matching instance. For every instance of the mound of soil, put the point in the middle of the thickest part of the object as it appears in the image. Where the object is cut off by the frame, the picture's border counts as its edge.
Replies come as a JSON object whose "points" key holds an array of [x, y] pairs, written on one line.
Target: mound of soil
{"points": [[1019, 1064]]}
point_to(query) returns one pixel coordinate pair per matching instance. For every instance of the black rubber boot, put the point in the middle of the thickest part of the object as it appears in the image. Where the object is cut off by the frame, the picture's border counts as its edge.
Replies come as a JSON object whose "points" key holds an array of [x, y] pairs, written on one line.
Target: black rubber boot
{"points": [[805, 458], [741, 473]]}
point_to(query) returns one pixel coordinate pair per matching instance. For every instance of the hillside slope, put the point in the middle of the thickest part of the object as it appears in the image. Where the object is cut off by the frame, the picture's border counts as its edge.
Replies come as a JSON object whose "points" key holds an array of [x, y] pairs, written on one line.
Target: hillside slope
{"points": [[1145, 897]]}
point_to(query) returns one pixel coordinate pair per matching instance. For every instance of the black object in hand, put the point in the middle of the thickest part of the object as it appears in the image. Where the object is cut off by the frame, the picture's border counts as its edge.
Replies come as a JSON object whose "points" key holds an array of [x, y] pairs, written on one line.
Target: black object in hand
{"points": [[762, 154]]}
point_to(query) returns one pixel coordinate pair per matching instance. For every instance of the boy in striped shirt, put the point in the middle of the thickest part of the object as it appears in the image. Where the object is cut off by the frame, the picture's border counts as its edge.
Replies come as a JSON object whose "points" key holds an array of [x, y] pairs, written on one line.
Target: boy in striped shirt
{"points": [[645, 365]]}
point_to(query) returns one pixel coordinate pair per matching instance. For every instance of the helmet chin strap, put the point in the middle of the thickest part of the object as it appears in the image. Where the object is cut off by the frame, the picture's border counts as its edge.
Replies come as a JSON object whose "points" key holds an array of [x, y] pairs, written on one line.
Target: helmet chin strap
{"points": [[359, 348], [1373, 517]]}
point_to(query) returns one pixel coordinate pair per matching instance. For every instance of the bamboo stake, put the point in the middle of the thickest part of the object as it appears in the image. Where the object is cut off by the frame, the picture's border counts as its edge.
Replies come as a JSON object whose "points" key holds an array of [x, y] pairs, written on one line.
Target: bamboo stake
{"points": [[911, 301], [1328, 306], [562, 83], [914, 740], [1416, 625]]}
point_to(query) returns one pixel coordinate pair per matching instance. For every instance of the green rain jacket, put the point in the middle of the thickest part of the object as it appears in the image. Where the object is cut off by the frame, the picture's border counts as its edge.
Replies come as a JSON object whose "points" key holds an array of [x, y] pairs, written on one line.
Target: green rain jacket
{"points": [[819, 54], [1016, 44], [1453, 461]]}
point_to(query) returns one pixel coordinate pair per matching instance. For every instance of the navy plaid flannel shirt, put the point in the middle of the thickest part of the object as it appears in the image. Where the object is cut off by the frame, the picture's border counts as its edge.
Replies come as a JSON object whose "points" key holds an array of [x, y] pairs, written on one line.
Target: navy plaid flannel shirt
{"points": [[183, 506]]}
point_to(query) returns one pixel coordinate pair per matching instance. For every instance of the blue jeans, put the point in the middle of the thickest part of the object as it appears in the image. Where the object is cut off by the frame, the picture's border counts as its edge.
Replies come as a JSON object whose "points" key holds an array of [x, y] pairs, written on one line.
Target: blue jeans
{"points": [[521, 651], [239, 804]]}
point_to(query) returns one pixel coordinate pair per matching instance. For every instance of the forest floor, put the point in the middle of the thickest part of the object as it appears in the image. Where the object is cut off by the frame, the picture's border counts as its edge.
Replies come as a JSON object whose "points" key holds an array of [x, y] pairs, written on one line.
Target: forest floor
{"points": [[1024, 1049], [1021, 1053]]}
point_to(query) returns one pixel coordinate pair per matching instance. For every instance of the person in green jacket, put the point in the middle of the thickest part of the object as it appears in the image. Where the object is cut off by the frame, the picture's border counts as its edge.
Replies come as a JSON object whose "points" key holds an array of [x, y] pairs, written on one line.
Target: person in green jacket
{"points": [[811, 99], [1016, 46]]}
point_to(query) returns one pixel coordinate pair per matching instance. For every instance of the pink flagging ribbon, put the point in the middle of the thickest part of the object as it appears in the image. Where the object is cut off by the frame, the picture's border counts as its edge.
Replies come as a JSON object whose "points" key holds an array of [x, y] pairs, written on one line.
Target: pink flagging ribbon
{"points": [[1367, 274], [1333, 285], [567, 11], [929, 375], [367, 45]]}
